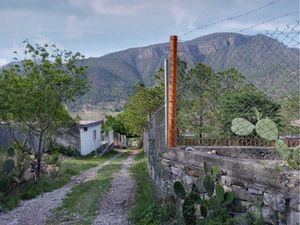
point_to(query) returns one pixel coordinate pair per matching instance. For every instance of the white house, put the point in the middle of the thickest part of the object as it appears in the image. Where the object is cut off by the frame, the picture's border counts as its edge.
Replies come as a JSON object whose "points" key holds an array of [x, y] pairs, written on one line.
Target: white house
{"points": [[90, 136]]}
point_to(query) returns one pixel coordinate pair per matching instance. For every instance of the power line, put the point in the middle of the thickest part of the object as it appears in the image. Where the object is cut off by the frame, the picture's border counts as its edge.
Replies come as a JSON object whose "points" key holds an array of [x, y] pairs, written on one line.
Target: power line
{"points": [[230, 18]]}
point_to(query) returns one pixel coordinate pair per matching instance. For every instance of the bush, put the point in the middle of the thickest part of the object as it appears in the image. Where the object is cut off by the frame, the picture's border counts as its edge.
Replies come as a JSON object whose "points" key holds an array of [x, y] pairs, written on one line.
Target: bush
{"points": [[68, 151]]}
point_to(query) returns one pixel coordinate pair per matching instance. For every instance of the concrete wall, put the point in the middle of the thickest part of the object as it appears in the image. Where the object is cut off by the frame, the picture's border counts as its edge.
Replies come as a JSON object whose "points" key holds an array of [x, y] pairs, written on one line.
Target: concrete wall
{"points": [[69, 137], [250, 179], [87, 141]]}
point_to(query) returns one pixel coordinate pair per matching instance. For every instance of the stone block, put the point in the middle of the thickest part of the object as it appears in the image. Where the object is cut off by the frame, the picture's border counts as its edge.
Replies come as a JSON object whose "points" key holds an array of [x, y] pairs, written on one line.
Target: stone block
{"points": [[293, 218], [295, 203], [269, 215], [176, 171], [192, 171], [254, 191], [188, 180], [276, 201], [242, 193], [241, 206]]}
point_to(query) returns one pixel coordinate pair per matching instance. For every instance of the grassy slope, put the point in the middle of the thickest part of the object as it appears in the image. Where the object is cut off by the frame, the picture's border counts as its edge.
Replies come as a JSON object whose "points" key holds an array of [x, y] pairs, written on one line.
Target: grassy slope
{"points": [[68, 168], [146, 210], [79, 207]]}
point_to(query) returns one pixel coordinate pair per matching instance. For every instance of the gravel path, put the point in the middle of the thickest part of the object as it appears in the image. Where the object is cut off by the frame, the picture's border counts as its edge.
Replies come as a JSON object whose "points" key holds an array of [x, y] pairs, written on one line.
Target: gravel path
{"points": [[36, 211], [114, 205]]}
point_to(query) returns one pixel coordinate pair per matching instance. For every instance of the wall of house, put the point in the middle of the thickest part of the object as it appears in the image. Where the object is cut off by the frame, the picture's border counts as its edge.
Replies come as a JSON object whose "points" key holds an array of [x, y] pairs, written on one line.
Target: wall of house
{"points": [[87, 142], [261, 185]]}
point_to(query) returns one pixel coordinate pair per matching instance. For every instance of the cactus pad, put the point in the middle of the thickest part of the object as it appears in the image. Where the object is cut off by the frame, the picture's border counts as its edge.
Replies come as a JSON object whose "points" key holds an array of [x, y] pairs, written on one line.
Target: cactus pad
{"points": [[267, 129], [10, 152], [242, 127], [8, 165], [179, 189], [209, 185], [228, 198], [220, 192]]}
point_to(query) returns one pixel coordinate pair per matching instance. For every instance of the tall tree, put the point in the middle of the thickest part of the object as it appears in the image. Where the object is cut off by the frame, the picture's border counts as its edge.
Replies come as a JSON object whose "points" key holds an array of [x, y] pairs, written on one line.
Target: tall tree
{"points": [[34, 89]]}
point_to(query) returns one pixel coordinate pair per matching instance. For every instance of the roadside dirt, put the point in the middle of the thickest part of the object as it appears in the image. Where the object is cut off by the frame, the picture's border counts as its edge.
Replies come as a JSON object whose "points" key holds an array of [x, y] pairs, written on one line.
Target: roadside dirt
{"points": [[36, 211], [115, 204]]}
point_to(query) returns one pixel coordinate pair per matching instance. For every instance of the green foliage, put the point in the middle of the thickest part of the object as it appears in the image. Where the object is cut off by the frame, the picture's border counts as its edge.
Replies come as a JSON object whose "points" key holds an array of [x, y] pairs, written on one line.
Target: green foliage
{"points": [[33, 91], [68, 151], [267, 129], [146, 209], [141, 104], [240, 104], [213, 208], [116, 124], [10, 152]]}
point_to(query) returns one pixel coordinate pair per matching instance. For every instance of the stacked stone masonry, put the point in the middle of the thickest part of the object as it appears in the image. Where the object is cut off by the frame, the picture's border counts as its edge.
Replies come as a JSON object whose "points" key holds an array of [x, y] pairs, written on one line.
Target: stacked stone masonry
{"points": [[264, 187]]}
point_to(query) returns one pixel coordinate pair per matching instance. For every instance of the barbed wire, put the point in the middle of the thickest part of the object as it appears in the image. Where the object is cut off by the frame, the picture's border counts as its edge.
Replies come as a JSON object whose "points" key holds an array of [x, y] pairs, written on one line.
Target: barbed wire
{"points": [[229, 18]]}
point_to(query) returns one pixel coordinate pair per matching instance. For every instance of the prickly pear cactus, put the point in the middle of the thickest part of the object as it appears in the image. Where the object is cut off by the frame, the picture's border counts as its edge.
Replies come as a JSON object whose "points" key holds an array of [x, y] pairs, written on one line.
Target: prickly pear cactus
{"points": [[10, 152], [209, 185], [267, 129], [242, 127], [282, 149], [179, 189]]}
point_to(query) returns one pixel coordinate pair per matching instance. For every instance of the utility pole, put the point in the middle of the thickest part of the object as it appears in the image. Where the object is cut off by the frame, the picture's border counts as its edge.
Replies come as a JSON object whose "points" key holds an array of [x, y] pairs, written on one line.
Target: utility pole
{"points": [[172, 93], [166, 70]]}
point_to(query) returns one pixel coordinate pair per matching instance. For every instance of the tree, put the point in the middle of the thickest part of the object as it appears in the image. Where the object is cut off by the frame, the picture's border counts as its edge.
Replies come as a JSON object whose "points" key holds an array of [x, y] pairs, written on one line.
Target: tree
{"points": [[242, 103], [116, 124], [289, 111], [198, 90], [34, 89]]}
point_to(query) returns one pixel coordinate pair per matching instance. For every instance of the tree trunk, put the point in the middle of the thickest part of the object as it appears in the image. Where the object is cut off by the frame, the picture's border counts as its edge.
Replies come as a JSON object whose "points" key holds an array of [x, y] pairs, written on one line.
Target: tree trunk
{"points": [[39, 155]]}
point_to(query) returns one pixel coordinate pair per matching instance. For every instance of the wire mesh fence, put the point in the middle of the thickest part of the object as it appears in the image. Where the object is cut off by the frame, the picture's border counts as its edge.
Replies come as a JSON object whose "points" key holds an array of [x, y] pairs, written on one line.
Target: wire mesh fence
{"points": [[251, 77], [242, 83]]}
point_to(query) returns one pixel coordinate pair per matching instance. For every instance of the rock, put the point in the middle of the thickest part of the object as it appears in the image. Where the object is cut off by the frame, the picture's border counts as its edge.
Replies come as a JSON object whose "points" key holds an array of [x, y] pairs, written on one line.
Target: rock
{"points": [[269, 215], [293, 218], [192, 171], [176, 171], [295, 203], [188, 180], [242, 194], [165, 162], [189, 149], [241, 206], [275, 201], [254, 191]]}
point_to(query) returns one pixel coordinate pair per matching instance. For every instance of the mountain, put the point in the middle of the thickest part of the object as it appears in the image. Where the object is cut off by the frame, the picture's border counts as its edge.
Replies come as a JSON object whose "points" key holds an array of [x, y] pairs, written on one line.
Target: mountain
{"points": [[269, 64]]}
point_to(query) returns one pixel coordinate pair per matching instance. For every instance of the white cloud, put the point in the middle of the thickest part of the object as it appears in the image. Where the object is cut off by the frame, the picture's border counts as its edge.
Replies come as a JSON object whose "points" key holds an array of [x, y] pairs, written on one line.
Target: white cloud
{"points": [[3, 62], [114, 8]]}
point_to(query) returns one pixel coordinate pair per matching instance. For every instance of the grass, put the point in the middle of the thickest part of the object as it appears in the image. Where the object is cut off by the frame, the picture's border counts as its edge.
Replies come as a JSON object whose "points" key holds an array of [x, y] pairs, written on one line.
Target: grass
{"points": [[146, 209], [80, 205], [67, 169]]}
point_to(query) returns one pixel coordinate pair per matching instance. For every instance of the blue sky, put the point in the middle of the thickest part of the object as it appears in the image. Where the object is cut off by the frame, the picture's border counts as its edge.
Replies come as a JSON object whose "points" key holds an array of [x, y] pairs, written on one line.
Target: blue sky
{"points": [[98, 27]]}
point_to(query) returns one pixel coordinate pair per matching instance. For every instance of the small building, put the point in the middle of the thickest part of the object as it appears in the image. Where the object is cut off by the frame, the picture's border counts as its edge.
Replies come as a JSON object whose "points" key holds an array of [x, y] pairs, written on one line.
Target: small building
{"points": [[85, 136], [90, 136]]}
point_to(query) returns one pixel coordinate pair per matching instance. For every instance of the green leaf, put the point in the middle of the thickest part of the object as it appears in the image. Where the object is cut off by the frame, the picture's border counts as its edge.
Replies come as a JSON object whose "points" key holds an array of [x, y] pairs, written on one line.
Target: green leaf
{"points": [[220, 192], [209, 185], [205, 203], [205, 167], [241, 127], [228, 198], [179, 189], [10, 152], [283, 149], [267, 129]]}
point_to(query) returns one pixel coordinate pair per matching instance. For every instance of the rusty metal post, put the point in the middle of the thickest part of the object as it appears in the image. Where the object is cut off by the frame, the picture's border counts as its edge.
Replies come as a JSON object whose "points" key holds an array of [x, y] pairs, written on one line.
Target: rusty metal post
{"points": [[172, 93]]}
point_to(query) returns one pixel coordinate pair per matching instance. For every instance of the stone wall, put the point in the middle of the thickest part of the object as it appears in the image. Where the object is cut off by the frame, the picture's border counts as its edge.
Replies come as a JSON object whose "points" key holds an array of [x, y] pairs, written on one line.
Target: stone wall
{"points": [[263, 182]]}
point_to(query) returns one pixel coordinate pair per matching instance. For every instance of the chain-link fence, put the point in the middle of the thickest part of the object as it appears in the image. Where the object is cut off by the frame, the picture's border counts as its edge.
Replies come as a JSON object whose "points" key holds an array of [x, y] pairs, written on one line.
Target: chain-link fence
{"points": [[251, 77], [242, 83]]}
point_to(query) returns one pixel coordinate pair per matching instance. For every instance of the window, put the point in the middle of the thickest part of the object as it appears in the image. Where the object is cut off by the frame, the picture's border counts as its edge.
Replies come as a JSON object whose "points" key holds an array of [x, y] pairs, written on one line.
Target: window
{"points": [[85, 129], [94, 134]]}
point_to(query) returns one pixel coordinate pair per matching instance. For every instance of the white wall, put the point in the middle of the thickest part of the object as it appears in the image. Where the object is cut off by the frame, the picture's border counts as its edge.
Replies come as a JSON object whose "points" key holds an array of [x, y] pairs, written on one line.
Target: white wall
{"points": [[87, 142]]}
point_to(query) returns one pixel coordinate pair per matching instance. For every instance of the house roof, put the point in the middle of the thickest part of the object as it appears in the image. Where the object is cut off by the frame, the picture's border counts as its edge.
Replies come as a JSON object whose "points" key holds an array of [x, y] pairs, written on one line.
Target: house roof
{"points": [[88, 123]]}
